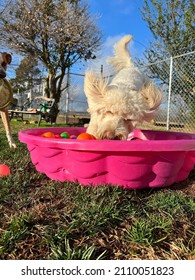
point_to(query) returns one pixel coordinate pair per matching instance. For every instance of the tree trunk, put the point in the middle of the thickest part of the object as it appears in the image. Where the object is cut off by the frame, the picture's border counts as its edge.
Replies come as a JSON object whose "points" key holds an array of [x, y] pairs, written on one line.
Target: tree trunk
{"points": [[52, 85], [46, 88]]}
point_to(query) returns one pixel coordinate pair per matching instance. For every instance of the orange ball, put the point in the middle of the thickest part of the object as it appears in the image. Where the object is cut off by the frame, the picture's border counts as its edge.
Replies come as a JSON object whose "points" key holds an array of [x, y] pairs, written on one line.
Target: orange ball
{"points": [[48, 134], [85, 136], [4, 170]]}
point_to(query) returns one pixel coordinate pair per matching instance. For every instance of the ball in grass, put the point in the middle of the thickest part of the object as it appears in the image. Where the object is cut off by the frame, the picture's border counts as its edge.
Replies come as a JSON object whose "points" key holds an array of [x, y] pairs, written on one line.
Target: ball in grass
{"points": [[4, 170], [65, 134]]}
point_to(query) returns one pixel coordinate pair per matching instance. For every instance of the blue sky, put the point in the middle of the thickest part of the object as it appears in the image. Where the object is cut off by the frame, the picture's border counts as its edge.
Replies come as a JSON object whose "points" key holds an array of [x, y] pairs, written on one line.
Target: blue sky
{"points": [[120, 17], [115, 19]]}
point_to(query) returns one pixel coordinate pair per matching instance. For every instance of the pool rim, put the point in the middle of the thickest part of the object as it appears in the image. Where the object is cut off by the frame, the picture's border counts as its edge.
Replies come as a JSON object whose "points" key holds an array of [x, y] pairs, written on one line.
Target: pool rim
{"points": [[26, 136]]}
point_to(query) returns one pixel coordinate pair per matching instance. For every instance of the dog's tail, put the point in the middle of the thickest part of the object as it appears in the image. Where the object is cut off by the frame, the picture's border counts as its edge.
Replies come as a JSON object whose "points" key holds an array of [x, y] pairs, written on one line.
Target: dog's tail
{"points": [[122, 57]]}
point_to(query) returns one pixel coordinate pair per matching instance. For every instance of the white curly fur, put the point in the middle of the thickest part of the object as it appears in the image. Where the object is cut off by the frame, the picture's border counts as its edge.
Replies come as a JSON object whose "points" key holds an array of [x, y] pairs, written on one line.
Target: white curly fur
{"points": [[117, 105]]}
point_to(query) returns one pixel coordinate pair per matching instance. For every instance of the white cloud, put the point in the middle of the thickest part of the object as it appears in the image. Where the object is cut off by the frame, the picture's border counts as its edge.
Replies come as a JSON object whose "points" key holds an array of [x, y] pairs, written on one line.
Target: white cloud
{"points": [[106, 51]]}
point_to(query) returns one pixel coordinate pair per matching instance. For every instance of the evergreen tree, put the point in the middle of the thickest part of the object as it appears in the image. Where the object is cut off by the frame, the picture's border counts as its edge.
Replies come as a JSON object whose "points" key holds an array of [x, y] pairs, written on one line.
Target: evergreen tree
{"points": [[27, 75]]}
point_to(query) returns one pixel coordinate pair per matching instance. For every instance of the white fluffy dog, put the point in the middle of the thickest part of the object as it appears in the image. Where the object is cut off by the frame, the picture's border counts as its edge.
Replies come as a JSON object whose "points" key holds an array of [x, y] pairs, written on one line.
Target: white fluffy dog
{"points": [[116, 106]]}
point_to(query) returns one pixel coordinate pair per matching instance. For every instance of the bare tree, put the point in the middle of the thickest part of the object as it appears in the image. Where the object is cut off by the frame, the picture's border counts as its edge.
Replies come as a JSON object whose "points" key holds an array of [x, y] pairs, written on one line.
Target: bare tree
{"points": [[56, 32]]}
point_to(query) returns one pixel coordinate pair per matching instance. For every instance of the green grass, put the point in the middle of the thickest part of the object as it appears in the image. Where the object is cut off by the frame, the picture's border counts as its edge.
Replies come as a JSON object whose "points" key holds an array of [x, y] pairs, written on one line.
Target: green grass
{"points": [[44, 219]]}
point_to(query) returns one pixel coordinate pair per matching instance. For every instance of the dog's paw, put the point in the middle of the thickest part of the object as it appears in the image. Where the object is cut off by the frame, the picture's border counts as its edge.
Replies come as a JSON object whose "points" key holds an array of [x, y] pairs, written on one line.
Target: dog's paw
{"points": [[11, 141], [12, 145]]}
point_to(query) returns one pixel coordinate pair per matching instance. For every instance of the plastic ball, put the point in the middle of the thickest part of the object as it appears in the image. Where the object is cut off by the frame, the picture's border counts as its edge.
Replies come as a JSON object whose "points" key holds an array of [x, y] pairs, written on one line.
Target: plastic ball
{"points": [[4, 170], [65, 135], [57, 136], [48, 134], [85, 136], [73, 137]]}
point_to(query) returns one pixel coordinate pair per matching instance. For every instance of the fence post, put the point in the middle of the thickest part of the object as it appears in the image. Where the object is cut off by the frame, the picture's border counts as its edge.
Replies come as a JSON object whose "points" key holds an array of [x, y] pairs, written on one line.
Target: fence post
{"points": [[169, 93], [101, 70], [67, 96]]}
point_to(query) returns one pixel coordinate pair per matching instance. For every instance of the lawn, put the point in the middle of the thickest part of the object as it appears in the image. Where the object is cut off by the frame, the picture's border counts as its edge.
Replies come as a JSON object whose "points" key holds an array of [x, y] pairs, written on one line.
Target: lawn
{"points": [[45, 219]]}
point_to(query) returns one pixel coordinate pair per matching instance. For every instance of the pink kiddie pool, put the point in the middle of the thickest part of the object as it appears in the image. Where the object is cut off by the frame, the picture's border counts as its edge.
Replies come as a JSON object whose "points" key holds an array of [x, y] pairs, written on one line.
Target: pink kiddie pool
{"points": [[155, 159]]}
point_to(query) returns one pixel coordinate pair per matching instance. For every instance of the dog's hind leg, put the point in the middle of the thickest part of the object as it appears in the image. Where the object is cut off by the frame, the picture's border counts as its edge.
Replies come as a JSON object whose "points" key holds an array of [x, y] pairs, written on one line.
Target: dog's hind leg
{"points": [[5, 120]]}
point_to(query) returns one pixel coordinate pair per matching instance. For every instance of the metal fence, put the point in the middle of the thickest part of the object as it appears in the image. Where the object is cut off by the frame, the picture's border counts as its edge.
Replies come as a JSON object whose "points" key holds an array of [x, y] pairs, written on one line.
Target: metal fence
{"points": [[176, 78]]}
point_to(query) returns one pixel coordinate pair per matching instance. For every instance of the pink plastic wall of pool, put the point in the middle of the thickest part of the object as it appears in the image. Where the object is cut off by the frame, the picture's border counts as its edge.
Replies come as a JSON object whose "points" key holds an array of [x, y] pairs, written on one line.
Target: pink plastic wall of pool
{"points": [[159, 159]]}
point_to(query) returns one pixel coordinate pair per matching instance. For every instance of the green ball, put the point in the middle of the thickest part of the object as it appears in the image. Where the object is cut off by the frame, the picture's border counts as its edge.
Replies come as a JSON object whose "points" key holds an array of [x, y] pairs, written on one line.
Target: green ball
{"points": [[65, 135]]}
